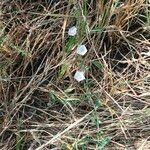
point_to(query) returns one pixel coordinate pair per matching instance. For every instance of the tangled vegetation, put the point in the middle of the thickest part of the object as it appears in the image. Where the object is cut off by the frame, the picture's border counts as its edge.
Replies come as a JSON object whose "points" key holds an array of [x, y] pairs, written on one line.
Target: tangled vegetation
{"points": [[42, 106]]}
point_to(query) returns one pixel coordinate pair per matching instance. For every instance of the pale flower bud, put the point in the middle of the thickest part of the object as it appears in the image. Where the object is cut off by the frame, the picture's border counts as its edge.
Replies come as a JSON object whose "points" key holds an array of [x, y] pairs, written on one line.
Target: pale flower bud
{"points": [[81, 50], [79, 76], [72, 31]]}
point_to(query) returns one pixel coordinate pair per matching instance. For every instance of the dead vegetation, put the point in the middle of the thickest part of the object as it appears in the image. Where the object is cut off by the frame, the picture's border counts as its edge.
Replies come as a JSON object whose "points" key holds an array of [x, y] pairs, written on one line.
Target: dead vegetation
{"points": [[42, 107]]}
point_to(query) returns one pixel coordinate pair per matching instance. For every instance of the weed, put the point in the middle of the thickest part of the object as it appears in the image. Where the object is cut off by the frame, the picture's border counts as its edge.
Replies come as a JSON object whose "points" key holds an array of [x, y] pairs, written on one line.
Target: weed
{"points": [[109, 109]]}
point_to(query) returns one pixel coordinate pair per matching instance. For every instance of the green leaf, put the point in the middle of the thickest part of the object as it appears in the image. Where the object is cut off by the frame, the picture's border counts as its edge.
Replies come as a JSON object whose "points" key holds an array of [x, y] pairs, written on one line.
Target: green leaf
{"points": [[97, 64], [63, 70], [20, 143], [97, 30], [98, 104], [70, 44], [53, 97]]}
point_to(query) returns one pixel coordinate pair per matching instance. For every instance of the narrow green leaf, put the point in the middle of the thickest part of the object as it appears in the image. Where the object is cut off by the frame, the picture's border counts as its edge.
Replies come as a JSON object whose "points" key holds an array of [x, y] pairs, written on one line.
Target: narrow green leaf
{"points": [[63, 70], [97, 64], [69, 45]]}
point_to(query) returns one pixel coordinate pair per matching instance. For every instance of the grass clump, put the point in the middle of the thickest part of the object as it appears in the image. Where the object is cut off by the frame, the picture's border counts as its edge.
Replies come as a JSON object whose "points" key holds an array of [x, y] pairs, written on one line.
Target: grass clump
{"points": [[42, 106]]}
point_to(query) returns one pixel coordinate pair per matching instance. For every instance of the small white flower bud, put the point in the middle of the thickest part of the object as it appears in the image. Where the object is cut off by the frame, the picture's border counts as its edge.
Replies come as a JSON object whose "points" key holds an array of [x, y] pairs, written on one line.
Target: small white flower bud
{"points": [[72, 31], [81, 50], [79, 76]]}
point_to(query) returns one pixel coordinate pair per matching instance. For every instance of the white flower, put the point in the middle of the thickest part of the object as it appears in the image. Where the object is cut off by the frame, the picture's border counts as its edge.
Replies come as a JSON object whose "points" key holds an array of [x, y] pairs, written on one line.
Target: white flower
{"points": [[79, 76], [81, 50], [72, 31]]}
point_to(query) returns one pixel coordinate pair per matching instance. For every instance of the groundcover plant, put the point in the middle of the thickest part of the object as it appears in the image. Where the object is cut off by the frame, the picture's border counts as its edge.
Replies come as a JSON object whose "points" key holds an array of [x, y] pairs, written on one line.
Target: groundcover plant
{"points": [[74, 74]]}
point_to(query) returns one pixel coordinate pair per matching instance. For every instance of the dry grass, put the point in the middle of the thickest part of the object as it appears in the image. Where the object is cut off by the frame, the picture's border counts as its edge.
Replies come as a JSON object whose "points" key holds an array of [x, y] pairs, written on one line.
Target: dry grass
{"points": [[42, 107]]}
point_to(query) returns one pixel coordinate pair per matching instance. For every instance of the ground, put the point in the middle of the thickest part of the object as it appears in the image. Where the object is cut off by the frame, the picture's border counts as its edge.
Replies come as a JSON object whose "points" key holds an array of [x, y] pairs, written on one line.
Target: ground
{"points": [[42, 106]]}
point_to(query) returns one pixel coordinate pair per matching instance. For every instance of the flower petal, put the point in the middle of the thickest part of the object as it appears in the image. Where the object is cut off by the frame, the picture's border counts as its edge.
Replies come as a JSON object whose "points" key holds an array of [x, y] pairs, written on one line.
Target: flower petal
{"points": [[79, 76], [81, 50], [72, 31]]}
